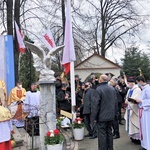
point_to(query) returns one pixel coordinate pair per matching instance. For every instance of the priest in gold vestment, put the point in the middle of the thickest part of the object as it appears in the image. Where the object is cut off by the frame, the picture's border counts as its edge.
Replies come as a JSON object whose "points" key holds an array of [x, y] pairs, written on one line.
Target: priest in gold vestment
{"points": [[16, 103], [3, 92]]}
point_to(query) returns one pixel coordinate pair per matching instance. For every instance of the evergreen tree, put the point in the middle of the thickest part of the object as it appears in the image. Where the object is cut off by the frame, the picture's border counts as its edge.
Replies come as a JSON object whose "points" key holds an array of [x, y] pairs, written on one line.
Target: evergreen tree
{"points": [[145, 66], [134, 60], [27, 73]]}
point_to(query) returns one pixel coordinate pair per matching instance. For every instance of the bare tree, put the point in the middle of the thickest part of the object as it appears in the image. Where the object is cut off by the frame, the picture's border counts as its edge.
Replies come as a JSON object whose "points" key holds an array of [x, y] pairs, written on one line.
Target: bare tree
{"points": [[109, 22], [97, 24]]}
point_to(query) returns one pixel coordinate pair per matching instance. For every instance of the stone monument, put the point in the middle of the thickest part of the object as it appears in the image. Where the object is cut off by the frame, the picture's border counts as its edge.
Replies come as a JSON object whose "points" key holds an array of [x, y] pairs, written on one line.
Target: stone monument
{"points": [[47, 87]]}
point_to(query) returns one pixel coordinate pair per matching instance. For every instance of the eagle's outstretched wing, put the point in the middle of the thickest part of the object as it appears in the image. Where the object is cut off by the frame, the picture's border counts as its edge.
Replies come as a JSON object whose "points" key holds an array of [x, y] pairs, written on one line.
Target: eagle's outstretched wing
{"points": [[41, 53], [55, 50], [35, 49]]}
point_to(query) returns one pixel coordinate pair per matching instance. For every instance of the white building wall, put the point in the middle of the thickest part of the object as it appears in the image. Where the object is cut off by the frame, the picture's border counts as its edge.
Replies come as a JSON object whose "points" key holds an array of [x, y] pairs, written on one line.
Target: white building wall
{"points": [[84, 73]]}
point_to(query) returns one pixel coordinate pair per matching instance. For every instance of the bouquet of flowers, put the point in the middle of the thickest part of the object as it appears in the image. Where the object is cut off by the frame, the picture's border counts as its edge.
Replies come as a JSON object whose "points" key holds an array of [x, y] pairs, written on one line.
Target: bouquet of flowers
{"points": [[78, 123], [53, 137], [63, 121], [59, 121]]}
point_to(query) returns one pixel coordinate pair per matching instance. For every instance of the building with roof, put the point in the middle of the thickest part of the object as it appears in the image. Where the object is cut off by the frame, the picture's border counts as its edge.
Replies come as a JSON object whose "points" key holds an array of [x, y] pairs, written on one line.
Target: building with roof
{"points": [[96, 64]]}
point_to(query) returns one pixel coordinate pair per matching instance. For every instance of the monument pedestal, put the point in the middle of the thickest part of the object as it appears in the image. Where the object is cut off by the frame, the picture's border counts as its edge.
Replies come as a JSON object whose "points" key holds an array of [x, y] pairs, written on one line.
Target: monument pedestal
{"points": [[47, 109]]}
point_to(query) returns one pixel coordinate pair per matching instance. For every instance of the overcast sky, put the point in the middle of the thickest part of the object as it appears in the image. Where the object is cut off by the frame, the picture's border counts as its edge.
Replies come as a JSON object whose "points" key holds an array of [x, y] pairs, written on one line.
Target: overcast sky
{"points": [[143, 6], [142, 40]]}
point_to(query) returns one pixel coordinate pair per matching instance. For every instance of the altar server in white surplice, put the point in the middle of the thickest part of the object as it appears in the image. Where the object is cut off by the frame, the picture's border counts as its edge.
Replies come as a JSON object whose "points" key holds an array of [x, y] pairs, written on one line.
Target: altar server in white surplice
{"points": [[144, 113], [32, 106], [5, 129]]}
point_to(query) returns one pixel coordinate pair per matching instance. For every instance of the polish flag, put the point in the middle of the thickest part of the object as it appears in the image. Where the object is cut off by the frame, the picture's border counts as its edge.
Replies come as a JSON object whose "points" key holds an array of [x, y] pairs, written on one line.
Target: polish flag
{"points": [[69, 51], [48, 40], [20, 39]]}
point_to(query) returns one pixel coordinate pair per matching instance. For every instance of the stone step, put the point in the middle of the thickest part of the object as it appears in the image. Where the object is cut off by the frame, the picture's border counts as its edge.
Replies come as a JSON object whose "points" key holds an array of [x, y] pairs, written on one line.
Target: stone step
{"points": [[19, 143], [20, 148], [69, 143], [18, 139], [28, 140], [16, 135], [21, 134]]}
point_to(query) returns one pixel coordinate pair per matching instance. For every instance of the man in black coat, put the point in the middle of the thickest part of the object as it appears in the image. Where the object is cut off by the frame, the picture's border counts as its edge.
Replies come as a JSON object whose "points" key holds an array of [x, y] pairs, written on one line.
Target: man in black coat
{"points": [[80, 96], [103, 113], [122, 88], [87, 108], [64, 98], [116, 133], [58, 84]]}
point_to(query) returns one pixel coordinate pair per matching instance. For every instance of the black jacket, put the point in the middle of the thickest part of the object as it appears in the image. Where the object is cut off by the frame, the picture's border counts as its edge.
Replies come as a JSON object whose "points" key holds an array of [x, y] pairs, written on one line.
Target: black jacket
{"points": [[117, 100], [94, 83], [88, 100], [103, 108], [122, 91], [63, 103], [79, 96], [58, 85]]}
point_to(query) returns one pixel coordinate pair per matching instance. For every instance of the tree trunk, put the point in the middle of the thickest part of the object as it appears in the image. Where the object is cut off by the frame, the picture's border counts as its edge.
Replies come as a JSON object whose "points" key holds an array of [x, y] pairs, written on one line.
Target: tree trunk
{"points": [[16, 48], [9, 4], [103, 42], [103, 51], [103, 32], [63, 16]]}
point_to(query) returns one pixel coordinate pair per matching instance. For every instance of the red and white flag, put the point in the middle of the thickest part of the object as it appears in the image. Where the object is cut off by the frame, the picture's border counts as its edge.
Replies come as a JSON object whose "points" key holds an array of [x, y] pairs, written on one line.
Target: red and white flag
{"points": [[20, 39], [69, 51], [48, 40]]}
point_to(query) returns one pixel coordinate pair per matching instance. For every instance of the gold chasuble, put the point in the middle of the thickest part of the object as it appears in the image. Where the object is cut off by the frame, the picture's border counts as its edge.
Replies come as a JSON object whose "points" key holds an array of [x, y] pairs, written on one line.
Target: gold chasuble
{"points": [[5, 114], [17, 95], [2, 92], [2, 84]]}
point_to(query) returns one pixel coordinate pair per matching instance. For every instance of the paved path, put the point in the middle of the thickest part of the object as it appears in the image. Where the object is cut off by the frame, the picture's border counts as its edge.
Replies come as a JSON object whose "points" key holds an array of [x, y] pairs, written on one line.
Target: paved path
{"points": [[123, 143]]}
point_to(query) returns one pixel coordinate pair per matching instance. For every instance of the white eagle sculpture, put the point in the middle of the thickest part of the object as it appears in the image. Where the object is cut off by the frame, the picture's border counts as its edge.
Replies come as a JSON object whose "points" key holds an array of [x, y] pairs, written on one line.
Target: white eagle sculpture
{"points": [[42, 61]]}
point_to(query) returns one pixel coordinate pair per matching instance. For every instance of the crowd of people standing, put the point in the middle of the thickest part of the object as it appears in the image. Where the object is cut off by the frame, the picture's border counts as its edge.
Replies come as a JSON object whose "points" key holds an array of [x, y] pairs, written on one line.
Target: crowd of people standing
{"points": [[100, 103]]}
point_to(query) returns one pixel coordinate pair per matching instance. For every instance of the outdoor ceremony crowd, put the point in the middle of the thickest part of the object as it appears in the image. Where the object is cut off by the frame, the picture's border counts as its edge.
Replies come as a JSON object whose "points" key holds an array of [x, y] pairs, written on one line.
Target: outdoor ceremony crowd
{"points": [[100, 101]]}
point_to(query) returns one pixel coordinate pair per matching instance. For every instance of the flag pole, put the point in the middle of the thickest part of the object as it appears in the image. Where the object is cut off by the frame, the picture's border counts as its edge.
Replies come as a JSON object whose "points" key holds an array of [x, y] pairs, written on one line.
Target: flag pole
{"points": [[69, 56], [73, 97]]}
